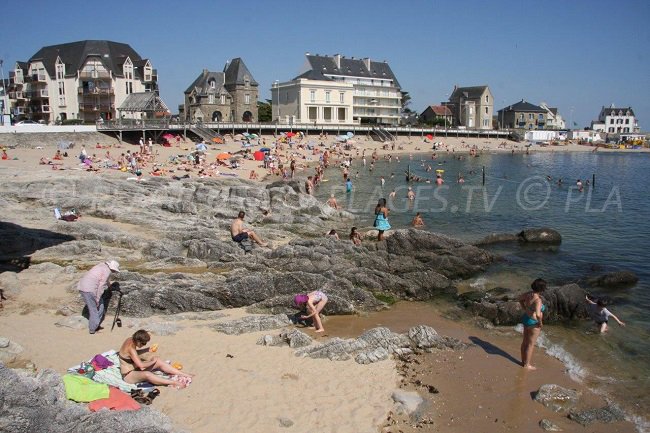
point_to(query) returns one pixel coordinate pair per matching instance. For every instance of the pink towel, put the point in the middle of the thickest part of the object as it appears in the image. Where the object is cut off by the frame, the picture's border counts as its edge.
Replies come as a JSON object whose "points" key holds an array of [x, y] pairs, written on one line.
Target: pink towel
{"points": [[117, 400]]}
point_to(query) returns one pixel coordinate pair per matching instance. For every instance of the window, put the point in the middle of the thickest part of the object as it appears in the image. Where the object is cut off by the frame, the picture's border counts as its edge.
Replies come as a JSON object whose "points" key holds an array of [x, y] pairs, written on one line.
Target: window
{"points": [[211, 99], [313, 113], [61, 101], [531, 116], [312, 96], [611, 121], [487, 99], [486, 110], [327, 114], [627, 121], [341, 97], [60, 71], [212, 84], [611, 129], [341, 113], [541, 116], [626, 129], [327, 97], [129, 88], [61, 88], [247, 98], [222, 99]]}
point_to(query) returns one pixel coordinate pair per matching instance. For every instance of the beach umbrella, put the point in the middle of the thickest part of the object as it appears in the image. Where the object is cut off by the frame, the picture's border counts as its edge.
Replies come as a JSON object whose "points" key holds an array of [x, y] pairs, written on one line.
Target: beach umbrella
{"points": [[168, 136], [258, 156], [430, 137], [350, 134], [223, 156], [290, 134], [201, 147]]}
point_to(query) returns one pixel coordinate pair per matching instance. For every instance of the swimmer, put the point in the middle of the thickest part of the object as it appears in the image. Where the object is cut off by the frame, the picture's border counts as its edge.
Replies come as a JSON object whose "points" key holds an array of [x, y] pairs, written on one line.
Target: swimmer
{"points": [[417, 220]]}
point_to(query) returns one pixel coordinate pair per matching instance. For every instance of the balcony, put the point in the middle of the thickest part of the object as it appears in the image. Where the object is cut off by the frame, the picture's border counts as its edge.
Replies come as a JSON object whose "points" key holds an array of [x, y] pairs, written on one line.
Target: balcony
{"points": [[96, 107], [95, 74], [95, 91], [16, 95], [39, 77], [37, 94]]}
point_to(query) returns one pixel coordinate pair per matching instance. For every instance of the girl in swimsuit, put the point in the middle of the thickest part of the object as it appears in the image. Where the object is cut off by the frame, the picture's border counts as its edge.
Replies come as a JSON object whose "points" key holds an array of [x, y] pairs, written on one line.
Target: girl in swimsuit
{"points": [[315, 302], [531, 303], [135, 370]]}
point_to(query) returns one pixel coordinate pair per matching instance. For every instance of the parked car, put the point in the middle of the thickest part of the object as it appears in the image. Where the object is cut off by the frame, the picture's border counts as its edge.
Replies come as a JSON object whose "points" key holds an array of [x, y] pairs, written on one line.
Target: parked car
{"points": [[27, 122]]}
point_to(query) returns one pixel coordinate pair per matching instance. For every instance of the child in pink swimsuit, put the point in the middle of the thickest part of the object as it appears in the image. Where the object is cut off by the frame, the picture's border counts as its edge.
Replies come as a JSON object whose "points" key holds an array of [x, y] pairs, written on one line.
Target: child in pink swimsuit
{"points": [[315, 302]]}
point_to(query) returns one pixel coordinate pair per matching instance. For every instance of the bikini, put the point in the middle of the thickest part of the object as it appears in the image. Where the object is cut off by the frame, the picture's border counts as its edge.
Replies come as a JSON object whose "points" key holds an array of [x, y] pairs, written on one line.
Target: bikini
{"points": [[528, 321], [128, 361], [318, 296]]}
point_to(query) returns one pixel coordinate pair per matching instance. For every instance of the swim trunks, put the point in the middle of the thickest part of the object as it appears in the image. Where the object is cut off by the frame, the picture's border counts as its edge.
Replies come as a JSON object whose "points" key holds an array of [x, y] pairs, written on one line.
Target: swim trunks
{"points": [[240, 237]]}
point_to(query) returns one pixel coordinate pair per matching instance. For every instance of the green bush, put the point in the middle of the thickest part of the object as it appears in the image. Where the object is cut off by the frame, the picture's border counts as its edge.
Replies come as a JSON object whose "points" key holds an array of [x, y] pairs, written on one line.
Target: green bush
{"points": [[72, 122]]}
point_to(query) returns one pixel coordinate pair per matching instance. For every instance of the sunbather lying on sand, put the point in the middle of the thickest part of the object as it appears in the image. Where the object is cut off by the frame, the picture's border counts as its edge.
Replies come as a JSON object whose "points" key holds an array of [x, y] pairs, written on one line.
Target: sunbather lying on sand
{"points": [[135, 370]]}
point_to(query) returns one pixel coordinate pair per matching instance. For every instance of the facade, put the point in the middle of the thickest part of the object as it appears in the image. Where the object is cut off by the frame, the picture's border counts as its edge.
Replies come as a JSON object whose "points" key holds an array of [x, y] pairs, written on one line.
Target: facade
{"points": [[320, 102], [616, 120], [361, 91], [554, 119], [227, 96], [84, 80], [523, 115], [438, 114], [472, 107]]}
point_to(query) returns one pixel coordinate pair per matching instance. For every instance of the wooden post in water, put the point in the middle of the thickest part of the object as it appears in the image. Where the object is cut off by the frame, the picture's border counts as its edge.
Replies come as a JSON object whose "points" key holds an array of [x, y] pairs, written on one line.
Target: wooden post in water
{"points": [[593, 180], [408, 173], [483, 169]]}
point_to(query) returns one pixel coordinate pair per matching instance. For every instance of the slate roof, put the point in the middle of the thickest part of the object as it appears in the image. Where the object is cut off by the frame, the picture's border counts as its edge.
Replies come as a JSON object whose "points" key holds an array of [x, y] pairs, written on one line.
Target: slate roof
{"points": [[321, 66], [523, 106], [236, 71], [143, 101], [472, 92], [201, 84], [615, 110], [74, 55]]}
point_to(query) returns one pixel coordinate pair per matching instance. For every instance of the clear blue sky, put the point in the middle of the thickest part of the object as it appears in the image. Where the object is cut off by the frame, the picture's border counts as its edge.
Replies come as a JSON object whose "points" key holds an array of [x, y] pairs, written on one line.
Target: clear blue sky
{"points": [[575, 53]]}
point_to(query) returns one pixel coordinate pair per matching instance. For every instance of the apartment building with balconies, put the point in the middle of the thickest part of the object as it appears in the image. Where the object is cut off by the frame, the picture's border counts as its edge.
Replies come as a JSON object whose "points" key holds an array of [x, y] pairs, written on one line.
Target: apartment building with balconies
{"points": [[336, 89], [85, 80]]}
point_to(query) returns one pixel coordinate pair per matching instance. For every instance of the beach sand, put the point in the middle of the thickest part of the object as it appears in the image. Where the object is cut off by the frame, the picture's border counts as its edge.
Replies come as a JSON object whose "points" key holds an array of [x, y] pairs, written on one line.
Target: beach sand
{"points": [[481, 389]]}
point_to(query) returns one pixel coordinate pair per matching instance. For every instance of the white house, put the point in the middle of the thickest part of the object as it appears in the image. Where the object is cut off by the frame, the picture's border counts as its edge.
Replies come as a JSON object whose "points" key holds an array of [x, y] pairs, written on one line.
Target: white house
{"points": [[554, 119], [85, 80], [335, 89], [616, 120]]}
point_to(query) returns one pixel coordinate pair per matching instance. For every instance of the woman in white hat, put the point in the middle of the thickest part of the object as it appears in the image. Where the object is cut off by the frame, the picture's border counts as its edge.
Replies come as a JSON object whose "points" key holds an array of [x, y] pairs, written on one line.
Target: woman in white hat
{"points": [[92, 286]]}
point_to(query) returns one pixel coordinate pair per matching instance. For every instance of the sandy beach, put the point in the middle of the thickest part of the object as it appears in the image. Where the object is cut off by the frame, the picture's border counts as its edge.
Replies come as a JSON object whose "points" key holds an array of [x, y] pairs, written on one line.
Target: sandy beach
{"points": [[241, 386]]}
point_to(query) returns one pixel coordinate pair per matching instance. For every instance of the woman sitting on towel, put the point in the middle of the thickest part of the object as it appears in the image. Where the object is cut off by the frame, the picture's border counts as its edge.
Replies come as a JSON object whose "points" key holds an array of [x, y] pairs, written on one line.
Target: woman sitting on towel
{"points": [[135, 370]]}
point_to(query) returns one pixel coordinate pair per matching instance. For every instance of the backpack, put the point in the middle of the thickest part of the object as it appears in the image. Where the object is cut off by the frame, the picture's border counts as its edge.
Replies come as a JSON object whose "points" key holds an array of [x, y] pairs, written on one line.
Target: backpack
{"points": [[246, 245]]}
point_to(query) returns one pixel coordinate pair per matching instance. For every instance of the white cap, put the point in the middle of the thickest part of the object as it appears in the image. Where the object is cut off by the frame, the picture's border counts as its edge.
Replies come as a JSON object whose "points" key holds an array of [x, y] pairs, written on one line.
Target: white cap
{"points": [[113, 265]]}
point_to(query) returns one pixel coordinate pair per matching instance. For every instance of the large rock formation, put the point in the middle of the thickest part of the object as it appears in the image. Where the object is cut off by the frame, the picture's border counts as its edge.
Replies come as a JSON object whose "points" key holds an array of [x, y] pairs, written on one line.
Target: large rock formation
{"points": [[173, 238]]}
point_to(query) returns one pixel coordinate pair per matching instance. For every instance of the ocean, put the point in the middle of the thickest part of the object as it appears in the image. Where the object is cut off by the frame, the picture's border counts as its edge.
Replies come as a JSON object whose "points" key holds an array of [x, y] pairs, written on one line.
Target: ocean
{"points": [[604, 228]]}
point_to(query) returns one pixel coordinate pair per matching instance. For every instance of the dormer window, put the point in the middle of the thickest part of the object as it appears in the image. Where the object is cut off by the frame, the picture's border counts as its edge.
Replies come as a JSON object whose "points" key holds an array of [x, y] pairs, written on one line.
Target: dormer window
{"points": [[212, 84]]}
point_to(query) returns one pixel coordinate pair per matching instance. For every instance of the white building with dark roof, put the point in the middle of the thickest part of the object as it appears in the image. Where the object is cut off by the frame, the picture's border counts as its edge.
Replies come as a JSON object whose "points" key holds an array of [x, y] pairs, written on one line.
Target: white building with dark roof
{"points": [[339, 90], [85, 80], [616, 120], [227, 96]]}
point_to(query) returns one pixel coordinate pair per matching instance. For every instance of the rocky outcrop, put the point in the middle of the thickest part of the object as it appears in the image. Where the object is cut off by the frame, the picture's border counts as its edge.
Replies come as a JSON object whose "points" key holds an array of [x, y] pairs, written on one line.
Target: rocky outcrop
{"points": [[37, 403], [614, 280], [605, 414], [562, 303], [542, 235]]}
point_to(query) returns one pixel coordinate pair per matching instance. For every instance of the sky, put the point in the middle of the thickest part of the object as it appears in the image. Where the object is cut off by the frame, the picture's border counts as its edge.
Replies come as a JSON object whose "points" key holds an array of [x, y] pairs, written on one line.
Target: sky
{"points": [[577, 55]]}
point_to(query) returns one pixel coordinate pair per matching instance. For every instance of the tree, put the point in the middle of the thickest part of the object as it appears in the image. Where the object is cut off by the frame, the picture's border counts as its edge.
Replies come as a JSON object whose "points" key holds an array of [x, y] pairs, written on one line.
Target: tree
{"points": [[264, 113], [406, 101]]}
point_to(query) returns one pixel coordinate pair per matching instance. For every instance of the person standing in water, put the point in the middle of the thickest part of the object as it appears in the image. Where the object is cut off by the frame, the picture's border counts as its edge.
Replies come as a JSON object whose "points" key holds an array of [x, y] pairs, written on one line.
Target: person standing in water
{"points": [[533, 306], [381, 218], [601, 314]]}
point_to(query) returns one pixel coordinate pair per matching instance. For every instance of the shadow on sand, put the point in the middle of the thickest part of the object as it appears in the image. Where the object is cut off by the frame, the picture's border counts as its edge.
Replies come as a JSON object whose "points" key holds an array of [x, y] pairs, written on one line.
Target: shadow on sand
{"points": [[493, 350]]}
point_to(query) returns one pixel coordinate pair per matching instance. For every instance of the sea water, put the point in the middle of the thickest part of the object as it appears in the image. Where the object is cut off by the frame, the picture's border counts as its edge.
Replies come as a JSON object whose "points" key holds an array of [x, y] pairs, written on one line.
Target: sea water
{"points": [[604, 227]]}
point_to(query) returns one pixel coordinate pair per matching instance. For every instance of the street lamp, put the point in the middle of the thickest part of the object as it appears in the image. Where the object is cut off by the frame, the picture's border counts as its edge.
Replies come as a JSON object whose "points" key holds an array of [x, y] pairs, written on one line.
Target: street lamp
{"points": [[503, 113]]}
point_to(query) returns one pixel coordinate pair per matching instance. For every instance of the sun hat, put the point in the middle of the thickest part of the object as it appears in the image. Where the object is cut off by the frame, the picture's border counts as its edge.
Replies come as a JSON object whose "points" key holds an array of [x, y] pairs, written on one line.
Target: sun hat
{"points": [[113, 265], [300, 299]]}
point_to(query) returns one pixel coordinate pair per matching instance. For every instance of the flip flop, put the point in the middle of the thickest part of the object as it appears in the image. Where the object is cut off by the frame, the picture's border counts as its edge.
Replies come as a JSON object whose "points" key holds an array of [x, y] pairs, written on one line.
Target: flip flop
{"points": [[153, 394]]}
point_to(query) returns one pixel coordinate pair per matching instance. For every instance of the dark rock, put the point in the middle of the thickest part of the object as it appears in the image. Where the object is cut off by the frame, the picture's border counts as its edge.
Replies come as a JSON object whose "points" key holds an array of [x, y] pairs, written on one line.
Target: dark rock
{"points": [[605, 414], [496, 238], [614, 279], [557, 398], [540, 235]]}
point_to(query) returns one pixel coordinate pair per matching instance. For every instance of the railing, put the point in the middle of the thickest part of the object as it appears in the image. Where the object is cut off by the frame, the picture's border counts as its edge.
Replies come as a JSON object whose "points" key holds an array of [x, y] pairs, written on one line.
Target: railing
{"points": [[96, 107], [96, 91]]}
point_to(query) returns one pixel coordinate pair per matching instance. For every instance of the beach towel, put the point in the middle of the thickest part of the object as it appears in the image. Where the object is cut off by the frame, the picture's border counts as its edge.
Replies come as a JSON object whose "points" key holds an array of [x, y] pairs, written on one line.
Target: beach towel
{"points": [[81, 389], [112, 375], [100, 362], [117, 400]]}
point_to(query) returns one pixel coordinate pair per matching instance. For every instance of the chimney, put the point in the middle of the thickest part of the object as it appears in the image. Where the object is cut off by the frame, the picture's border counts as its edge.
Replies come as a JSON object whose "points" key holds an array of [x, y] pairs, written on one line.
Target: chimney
{"points": [[366, 61], [337, 60]]}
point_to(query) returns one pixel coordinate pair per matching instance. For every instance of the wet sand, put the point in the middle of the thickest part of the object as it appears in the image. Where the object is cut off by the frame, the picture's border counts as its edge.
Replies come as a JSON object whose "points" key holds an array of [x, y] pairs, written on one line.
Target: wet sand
{"points": [[481, 389]]}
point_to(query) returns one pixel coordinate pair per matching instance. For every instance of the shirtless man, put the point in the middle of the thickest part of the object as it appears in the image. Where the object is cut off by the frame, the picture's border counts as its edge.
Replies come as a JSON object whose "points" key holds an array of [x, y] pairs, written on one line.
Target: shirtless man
{"points": [[417, 221], [239, 233], [331, 202]]}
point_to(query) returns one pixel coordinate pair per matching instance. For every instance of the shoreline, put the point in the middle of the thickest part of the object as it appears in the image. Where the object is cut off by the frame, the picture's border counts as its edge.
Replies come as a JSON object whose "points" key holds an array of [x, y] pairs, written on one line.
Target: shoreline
{"points": [[19, 321]]}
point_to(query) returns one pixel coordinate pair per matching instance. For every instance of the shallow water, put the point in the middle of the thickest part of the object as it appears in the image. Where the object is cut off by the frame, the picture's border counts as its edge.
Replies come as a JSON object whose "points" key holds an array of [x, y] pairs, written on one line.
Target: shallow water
{"points": [[604, 228]]}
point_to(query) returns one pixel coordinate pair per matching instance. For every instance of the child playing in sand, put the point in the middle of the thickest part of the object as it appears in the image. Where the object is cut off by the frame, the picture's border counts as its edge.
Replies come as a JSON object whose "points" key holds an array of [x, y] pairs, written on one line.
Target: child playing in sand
{"points": [[601, 314], [315, 302]]}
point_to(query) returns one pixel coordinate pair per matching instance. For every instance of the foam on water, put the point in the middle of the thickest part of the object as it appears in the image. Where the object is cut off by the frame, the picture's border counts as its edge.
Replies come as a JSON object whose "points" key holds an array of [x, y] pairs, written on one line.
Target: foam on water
{"points": [[576, 371]]}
